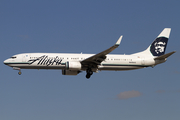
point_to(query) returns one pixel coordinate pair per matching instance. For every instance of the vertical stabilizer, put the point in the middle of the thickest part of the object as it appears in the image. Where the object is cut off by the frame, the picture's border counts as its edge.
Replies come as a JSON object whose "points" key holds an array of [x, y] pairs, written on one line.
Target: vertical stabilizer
{"points": [[158, 47]]}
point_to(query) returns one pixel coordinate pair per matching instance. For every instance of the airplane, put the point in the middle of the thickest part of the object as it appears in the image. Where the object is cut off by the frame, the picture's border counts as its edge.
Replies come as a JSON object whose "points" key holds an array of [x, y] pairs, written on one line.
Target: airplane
{"points": [[73, 64]]}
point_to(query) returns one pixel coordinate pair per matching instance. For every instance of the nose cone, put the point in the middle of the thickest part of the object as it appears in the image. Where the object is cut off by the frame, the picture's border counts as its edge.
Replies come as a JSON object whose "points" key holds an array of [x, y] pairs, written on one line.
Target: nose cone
{"points": [[6, 62]]}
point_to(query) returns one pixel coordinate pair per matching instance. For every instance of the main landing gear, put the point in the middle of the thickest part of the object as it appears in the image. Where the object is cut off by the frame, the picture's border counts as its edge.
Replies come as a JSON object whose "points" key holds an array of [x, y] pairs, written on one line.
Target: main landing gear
{"points": [[89, 73]]}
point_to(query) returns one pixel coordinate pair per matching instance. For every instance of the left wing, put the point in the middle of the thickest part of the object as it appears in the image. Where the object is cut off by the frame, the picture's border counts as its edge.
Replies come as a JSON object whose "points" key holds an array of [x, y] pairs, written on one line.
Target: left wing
{"points": [[98, 58]]}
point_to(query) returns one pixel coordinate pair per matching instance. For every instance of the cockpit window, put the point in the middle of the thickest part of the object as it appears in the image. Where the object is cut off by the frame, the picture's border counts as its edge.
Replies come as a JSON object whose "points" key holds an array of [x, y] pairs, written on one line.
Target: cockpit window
{"points": [[13, 57]]}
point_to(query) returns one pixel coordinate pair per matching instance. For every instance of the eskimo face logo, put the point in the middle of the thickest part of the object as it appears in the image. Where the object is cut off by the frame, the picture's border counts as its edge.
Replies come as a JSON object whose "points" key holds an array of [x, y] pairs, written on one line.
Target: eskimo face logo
{"points": [[159, 47]]}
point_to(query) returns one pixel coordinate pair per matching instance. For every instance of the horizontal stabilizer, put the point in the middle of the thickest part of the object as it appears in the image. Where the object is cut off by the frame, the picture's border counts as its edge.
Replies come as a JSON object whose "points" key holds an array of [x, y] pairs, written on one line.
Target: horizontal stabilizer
{"points": [[164, 56]]}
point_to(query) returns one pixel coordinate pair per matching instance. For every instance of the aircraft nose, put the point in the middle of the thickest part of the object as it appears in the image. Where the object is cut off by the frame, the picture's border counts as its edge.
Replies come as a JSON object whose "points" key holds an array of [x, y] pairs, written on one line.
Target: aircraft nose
{"points": [[6, 62]]}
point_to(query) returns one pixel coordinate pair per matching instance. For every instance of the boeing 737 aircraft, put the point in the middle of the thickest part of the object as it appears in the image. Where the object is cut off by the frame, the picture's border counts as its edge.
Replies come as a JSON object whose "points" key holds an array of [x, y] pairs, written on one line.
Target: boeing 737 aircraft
{"points": [[73, 64]]}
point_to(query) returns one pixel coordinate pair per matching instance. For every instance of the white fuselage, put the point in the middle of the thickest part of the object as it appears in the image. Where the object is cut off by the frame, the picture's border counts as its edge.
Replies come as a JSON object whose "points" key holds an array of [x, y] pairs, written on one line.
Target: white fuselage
{"points": [[58, 61], [73, 64]]}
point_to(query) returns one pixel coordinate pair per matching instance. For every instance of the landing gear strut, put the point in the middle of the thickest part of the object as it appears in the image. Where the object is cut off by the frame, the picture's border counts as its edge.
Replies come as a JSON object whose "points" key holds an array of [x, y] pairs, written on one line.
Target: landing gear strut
{"points": [[89, 73], [16, 68]]}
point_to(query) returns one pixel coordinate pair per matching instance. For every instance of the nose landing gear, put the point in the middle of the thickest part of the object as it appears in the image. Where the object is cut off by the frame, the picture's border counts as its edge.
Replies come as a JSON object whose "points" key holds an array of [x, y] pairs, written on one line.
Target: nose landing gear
{"points": [[15, 68], [19, 72]]}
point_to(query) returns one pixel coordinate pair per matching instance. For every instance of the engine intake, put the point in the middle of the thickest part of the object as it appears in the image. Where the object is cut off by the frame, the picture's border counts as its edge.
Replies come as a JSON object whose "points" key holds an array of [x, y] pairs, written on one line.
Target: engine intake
{"points": [[73, 65]]}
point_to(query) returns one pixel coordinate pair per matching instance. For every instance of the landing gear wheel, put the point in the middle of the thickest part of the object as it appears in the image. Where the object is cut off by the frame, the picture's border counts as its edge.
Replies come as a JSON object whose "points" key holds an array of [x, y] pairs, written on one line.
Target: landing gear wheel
{"points": [[19, 73], [88, 76], [89, 73]]}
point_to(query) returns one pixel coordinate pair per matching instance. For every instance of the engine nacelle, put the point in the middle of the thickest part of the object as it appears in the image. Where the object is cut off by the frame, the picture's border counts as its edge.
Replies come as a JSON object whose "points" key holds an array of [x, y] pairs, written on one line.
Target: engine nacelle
{"points": [[70, 72], [73, 65]]}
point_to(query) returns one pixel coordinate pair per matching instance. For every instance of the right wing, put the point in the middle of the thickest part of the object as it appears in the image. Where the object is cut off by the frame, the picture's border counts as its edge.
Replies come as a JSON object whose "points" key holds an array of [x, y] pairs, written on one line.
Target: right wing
{"points": [[98, 58]]}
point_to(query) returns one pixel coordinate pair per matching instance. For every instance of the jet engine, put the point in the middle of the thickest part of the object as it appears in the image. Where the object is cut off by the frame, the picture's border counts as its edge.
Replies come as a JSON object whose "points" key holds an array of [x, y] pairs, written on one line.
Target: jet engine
{"points": [[70, 72], [73, 65]]}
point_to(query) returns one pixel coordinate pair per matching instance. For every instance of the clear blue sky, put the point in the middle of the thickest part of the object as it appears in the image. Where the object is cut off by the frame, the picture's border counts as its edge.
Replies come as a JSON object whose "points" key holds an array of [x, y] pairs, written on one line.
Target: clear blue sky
{"points": [[74, 26]]}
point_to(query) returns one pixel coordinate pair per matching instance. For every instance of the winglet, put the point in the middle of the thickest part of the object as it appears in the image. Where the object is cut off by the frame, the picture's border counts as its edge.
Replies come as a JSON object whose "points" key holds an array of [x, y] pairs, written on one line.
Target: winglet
{"points": [[119, 41]]}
